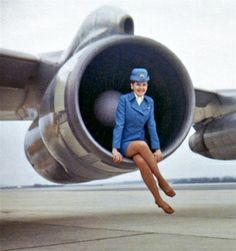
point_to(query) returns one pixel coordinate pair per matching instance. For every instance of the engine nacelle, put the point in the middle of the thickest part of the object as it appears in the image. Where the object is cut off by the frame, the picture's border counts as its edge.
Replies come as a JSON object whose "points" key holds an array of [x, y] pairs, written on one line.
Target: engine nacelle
{"points": [[217, 139], [70, 143]]}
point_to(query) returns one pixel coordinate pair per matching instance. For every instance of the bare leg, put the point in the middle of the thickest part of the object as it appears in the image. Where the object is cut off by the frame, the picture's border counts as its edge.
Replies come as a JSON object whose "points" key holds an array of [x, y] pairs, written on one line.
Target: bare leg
{"points": [[141, 147], [150, 182]]}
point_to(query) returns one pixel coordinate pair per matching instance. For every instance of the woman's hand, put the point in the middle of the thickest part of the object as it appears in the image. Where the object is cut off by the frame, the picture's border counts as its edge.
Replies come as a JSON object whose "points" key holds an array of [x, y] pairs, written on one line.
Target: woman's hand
{"points": [[158, 155], [117, 157]]}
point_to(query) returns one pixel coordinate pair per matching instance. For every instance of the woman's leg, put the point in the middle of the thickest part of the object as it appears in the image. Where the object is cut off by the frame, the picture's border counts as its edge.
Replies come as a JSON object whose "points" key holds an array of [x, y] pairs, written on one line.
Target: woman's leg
{"points": [[150, 182], [141, 147]]}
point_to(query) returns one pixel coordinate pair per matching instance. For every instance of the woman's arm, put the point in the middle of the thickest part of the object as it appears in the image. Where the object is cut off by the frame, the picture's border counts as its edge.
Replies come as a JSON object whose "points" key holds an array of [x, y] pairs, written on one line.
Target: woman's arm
{"points": [[151, 123], [158, 155], [116, 155], [118, 130], [155, 142]]}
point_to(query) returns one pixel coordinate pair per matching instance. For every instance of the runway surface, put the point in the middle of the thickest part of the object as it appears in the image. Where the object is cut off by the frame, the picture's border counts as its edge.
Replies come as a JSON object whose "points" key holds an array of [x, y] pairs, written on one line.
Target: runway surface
{"points": [[116, 217]]}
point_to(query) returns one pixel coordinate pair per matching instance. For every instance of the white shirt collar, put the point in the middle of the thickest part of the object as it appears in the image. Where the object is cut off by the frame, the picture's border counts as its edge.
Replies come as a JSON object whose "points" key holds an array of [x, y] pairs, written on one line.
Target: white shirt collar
{"points": [[139, 99]]}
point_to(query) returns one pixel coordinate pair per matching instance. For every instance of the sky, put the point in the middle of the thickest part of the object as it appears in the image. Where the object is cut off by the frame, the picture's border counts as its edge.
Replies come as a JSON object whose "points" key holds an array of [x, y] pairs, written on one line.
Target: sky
{"points": [[200, 32]]}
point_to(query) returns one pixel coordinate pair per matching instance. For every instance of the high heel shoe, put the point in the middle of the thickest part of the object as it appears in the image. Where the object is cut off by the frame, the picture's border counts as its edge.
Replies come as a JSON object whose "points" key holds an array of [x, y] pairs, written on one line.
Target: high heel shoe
{"points": [[169, 191], [165, 207]]}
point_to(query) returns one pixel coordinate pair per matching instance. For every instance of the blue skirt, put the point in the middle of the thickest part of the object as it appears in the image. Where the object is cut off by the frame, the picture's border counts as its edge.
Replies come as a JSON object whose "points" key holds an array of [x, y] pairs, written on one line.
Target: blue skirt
{"points": [[124, 147]]}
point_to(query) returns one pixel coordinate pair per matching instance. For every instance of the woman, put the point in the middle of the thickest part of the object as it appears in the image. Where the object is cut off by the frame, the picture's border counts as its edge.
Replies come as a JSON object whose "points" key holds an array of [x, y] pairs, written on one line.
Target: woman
{"points": [[134, 110]]}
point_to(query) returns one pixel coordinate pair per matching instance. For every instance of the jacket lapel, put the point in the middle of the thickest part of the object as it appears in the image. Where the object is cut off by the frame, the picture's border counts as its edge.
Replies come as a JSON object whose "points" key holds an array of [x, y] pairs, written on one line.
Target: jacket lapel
{"points": [[139, 108], [136, 107]]}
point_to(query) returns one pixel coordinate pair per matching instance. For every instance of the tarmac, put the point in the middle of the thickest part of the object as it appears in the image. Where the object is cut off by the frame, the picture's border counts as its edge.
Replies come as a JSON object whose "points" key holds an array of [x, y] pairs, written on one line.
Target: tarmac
{"points": [[117, 217]]}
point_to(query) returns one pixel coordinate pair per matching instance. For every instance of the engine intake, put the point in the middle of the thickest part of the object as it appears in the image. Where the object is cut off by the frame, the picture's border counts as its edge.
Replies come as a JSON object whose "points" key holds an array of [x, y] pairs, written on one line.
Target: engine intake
{"points": [[76, 138]]}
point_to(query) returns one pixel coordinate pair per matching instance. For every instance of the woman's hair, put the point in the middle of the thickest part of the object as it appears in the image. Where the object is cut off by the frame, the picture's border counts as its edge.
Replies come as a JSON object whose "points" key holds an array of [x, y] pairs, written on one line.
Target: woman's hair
{"points": [[132, 82]]}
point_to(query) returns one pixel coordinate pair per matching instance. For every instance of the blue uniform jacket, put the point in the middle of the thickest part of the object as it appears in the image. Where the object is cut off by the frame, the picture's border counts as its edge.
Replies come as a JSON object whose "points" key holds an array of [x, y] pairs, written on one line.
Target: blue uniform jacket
{"points": [[131, 119]]}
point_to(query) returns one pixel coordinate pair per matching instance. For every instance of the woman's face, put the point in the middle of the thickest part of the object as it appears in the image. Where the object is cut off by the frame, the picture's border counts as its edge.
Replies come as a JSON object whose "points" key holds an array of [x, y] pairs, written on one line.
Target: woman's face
{"points": [[139, 88]]}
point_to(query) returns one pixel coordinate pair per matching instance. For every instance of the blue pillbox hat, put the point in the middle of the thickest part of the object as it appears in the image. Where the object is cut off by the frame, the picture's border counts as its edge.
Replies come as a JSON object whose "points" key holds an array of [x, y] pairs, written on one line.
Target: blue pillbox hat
{"points": [[139, 75]]}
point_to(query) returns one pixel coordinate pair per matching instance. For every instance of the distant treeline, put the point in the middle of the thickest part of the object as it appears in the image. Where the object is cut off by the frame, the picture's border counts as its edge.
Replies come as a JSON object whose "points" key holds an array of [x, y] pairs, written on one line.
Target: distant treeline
{"points": [[226, 179], [204, 180]]}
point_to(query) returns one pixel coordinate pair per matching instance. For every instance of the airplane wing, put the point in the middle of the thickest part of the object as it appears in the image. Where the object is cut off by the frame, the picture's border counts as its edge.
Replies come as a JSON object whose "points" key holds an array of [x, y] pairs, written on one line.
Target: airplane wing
{"points": [[16, 72], [23, 79], [213, 104], [17, 68]]}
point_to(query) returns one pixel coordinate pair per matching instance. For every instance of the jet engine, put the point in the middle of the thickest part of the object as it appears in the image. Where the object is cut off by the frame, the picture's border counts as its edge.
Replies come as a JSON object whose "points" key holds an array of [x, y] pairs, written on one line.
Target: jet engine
{"points": [[71, 139], [216, 139]]}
